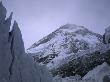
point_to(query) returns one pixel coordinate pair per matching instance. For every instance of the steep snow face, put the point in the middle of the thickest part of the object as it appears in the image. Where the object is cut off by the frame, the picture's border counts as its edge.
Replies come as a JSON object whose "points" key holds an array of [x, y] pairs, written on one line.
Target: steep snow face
{"points": [[68, 39]]}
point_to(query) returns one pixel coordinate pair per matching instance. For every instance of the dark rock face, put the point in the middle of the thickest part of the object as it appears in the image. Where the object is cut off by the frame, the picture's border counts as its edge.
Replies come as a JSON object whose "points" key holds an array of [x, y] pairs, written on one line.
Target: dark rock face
{"points": [[99, 74], [15, 65], [83, 64], [106, 78], [106, 36]]}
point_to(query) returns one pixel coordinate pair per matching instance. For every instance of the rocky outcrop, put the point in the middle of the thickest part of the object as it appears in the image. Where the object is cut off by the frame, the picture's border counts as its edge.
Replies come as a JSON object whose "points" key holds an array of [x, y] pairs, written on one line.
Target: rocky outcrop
{"points": [[81, 63], [15, 65], [106, 36], [98, 74]]}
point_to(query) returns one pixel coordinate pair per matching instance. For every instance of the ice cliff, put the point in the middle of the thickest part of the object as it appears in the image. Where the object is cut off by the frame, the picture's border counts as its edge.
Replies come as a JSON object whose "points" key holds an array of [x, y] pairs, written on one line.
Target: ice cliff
{"points": [[15, 65]]}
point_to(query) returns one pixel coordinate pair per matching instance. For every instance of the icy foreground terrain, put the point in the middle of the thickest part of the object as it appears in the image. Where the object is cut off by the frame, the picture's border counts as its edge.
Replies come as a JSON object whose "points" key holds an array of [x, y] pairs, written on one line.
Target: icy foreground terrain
{"points": [[15, 65]]}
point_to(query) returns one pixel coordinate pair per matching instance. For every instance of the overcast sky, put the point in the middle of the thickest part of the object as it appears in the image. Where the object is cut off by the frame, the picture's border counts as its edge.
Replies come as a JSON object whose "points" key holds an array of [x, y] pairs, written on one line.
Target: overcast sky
{"points": [[37, 18]]}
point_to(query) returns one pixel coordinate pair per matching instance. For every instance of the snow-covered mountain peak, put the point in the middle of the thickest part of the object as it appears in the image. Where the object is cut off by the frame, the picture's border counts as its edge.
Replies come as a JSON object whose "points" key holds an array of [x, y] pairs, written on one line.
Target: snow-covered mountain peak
{"points": [[68, 39]]}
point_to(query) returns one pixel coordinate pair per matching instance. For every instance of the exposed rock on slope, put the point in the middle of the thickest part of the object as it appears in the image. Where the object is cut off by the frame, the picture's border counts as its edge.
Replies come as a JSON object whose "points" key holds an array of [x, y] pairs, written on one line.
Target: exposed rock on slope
{"points": [[107, 35], [83, 62], [100, 73], [15, 65]]}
